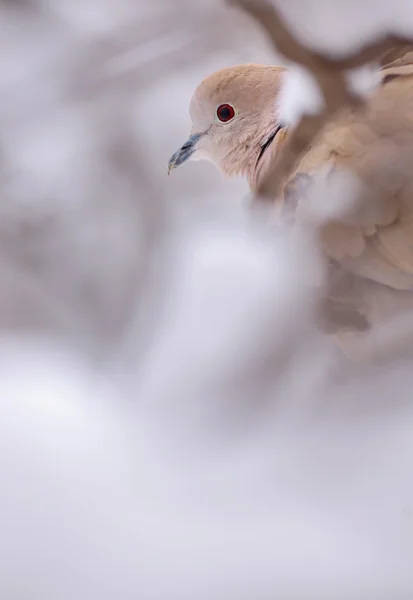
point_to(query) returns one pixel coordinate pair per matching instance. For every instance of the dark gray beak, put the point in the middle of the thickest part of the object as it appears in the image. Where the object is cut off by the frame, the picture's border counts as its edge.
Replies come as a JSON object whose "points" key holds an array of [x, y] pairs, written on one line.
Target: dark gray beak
{"points": [[184, 153]]}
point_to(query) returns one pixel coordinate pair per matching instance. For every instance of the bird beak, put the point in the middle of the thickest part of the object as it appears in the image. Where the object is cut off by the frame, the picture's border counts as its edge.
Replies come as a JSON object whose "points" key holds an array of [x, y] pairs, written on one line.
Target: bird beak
{"points": [[184, 152]]}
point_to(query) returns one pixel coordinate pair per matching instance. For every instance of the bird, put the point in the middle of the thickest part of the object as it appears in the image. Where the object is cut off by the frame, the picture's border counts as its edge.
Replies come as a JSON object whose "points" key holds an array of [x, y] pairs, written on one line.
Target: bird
{"points": [[237, 125]]}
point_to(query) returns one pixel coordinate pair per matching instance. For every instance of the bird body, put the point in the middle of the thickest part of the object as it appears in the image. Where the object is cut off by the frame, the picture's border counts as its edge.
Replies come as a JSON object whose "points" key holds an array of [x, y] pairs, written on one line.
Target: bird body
{"points": [[373, 142]]}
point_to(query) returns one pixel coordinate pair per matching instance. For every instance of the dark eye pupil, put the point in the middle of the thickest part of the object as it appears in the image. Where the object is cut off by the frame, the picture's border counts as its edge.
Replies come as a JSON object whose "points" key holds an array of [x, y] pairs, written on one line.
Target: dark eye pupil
{"points": [[225, 113]]}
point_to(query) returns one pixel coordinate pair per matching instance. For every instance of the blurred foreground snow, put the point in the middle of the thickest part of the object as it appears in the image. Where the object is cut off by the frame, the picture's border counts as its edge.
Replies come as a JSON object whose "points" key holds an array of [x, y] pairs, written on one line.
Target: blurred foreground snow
{"points": [[172, 425]]}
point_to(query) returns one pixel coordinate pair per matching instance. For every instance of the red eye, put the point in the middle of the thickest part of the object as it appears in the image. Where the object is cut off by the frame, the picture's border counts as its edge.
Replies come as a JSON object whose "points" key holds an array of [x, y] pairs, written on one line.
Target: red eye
{"points": [[225, 113]]}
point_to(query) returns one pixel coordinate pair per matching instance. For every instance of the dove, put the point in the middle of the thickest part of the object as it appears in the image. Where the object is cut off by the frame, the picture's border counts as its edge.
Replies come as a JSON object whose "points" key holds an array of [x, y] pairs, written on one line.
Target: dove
{"points": [[237, 124]]}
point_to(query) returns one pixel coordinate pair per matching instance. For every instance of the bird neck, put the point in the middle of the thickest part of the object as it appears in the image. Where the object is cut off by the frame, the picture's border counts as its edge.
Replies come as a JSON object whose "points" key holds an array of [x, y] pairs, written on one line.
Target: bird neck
{"points": [[264, 156], [251, 155], [267, 143]]}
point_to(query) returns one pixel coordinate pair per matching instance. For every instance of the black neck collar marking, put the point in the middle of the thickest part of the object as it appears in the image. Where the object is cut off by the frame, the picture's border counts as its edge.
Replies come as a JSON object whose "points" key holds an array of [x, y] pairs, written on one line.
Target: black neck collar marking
{"points": [[268, 143]]}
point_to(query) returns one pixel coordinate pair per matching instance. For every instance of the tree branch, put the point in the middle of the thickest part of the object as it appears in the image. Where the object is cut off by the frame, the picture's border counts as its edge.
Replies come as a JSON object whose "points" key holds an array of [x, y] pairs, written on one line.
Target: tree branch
{"points": [[327, 71]]}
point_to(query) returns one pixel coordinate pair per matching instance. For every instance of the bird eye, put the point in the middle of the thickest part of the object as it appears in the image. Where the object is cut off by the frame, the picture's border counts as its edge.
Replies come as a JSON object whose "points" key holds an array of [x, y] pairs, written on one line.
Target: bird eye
{"points": [[225, 113]]}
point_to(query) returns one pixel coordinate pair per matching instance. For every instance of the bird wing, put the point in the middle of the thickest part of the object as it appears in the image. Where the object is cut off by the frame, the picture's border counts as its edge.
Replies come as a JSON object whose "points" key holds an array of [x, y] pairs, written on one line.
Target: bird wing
{"points": [[396, 57], [374, 143]]}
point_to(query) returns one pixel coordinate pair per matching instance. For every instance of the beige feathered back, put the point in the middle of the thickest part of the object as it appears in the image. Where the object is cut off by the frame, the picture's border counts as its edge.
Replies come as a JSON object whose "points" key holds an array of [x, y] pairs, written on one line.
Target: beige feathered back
{"points": [[376, 144]]}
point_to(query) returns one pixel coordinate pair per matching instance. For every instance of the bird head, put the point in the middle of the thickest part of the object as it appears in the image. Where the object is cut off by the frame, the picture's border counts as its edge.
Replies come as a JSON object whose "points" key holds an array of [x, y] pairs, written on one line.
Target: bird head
{"points": [[234, 117]]}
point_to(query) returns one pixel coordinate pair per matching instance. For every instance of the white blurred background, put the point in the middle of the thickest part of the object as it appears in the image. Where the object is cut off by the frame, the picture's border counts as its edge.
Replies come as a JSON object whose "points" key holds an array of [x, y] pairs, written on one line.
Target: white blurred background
{"points": [[172, 424]]}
